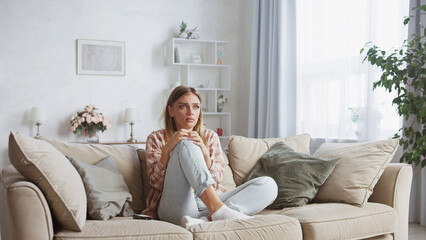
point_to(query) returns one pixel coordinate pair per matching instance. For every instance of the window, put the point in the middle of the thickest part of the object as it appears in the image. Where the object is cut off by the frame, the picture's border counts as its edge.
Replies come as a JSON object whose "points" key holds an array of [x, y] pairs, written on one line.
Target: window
{"points": [[335, 99]]}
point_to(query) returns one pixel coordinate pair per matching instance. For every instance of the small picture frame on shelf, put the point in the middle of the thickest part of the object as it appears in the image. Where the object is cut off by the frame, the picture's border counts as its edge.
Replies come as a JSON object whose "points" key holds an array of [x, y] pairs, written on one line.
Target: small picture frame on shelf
{"points": [[196, 58], [176, 55]]}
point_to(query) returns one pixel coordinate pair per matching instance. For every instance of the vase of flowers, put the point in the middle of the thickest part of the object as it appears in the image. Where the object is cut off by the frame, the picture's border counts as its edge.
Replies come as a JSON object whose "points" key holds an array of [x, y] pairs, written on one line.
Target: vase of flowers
{"points": [[221, 102], [89, 123]]}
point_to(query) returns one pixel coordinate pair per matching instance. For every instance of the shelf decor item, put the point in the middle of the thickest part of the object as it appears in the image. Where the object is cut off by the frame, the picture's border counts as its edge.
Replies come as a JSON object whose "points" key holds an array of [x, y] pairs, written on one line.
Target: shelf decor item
{"points": [[221, 102], [196, 58], [219, 55], [37, 116], [187, 33], [131, 116], [176, 55], [88, 123]]}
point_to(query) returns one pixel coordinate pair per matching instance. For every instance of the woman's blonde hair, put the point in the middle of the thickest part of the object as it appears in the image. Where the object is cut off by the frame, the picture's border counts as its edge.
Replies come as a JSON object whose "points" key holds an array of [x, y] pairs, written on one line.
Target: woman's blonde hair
{"points": [[169, 122]]}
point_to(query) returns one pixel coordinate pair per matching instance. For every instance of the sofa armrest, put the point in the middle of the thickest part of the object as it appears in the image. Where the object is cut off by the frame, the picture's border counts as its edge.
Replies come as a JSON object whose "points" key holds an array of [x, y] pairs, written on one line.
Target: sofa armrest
{"points": [[393, 189], [25, 212]]}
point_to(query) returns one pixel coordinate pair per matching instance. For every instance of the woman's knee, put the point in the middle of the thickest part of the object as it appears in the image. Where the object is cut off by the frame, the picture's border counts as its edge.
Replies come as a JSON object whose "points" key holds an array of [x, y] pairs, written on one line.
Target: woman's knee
{"points": [[269, 185], [185, 146]]}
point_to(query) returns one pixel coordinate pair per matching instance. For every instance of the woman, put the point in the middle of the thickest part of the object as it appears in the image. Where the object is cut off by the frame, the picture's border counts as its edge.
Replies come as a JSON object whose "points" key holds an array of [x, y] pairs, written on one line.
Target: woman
{"points": [[185, 166]]}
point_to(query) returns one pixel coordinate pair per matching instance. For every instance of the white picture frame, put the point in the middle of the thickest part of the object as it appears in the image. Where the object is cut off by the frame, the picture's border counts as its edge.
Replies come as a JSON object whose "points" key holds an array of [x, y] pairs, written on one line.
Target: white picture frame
{"points": [[176, 55], [100, 57], [196, 58]]}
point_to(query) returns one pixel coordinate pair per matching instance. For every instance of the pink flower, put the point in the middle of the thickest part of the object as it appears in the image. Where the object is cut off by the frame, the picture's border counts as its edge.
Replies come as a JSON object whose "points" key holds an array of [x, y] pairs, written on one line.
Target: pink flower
{"points": [[97, 118], [89, 108], [88, 118]]}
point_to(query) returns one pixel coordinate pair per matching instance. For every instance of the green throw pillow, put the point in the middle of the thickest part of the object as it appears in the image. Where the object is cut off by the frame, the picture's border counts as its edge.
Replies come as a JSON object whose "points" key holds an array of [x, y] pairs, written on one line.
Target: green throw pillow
{"points": [[298, 175], [107, 193]]}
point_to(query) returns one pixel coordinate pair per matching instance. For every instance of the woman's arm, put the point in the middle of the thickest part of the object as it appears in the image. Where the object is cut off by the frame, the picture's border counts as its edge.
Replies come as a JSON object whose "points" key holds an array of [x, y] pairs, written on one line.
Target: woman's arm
{"points": [[156, 170], [158, 155]]}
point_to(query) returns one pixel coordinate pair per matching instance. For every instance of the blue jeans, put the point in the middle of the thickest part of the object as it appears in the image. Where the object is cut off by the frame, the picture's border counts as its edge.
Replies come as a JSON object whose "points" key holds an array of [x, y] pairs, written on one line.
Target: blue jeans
{"points": [[186, 179]]}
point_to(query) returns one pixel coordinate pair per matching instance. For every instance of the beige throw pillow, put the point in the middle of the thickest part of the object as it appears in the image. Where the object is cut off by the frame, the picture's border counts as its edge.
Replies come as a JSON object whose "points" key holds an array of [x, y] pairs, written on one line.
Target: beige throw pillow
{"points": [[42, 164], [357, 172], [125, 156], [228, 178], [245, 152]]}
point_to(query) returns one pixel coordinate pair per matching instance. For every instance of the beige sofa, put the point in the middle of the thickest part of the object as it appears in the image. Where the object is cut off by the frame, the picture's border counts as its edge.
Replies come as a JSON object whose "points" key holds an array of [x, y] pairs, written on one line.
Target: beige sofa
{"points": [[27, 214]]}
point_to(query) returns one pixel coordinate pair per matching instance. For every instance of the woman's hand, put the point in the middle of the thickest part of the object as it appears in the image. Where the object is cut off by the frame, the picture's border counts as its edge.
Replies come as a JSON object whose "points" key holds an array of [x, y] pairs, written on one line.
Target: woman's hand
{"points": [[170, 145], [193, 136]]}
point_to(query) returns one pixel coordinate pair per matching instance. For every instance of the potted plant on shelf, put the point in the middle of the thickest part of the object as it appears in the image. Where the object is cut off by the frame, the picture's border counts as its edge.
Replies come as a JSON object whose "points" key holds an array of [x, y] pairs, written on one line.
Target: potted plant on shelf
{"points": [[188, 33], [88, 123], [404, 71]]}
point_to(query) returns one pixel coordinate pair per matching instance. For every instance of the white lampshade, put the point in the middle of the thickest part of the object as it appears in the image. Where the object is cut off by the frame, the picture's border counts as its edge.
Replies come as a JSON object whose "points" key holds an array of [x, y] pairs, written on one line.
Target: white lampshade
{"points": [[37, 115], [131, 115]]}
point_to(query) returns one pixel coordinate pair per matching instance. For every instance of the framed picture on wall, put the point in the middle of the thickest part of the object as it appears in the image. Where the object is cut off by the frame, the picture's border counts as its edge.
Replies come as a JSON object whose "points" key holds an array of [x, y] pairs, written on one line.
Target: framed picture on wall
{"points": [[98, 57]]}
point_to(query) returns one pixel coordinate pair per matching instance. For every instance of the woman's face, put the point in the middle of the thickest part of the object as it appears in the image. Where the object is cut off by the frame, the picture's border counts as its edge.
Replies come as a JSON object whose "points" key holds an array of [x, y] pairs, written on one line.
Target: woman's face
{"points": [[185, 111]]}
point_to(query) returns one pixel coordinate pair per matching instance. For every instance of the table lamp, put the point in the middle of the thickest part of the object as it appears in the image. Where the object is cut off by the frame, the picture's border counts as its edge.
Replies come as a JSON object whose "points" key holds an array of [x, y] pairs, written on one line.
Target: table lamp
{"points": [[131, 116], [37, 116]]}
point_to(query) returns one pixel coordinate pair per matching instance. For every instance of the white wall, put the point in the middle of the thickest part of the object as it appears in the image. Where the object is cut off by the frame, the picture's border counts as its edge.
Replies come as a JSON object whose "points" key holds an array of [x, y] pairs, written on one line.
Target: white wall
{"points": [[38, 60]]}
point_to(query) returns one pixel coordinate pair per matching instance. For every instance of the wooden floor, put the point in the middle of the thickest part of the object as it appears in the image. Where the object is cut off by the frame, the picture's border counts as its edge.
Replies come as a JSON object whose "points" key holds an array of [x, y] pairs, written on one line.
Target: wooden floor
{"points": [[416, 232]]}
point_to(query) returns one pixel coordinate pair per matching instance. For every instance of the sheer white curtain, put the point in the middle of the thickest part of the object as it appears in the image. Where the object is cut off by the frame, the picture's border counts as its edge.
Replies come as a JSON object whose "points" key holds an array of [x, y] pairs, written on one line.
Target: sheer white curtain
{"points": [[273, 74], [335, 99]]}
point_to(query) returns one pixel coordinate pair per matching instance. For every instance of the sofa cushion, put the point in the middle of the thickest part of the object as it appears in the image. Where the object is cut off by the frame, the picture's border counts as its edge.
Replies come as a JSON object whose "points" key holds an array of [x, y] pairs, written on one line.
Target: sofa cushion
{"points": [[357, 172], [42, 164], [342, 221], [124, 155], [260, 227], [107, 193], [298, 175], [126, 228], [245, 152]]}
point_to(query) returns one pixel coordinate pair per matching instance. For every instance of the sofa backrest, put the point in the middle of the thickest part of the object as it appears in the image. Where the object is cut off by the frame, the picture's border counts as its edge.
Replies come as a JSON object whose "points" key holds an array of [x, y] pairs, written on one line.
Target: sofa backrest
{"points": [[124, 155]]}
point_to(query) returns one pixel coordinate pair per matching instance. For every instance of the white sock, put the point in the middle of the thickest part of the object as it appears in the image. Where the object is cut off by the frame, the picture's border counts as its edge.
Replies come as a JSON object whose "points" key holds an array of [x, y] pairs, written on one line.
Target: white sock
{"points": [[226, 213], [189, 221]]}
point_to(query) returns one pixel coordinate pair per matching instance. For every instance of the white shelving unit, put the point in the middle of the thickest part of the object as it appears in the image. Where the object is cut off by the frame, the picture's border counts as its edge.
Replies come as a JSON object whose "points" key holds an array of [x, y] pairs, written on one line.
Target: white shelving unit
{"points": [[209, 78]]}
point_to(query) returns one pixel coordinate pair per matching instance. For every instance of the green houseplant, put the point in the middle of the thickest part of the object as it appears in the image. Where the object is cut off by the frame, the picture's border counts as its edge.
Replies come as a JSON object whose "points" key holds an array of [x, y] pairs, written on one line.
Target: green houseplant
{"points": [[404, 71]]}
